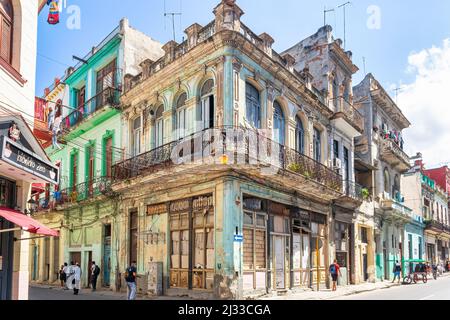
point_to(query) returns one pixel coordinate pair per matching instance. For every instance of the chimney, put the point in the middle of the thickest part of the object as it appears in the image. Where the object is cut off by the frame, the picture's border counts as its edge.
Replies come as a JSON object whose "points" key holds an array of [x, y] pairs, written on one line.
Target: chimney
{"points": [[267, 43], [307, 76], [128, 79], [169, 49], [69, 71], [192, 34], [228, 16], [145, 66], [290, 61]]}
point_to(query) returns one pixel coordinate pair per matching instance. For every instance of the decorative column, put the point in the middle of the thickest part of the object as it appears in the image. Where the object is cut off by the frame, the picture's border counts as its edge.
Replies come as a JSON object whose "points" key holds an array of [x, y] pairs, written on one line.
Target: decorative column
{"points": [[52, 276], [41, 261]]}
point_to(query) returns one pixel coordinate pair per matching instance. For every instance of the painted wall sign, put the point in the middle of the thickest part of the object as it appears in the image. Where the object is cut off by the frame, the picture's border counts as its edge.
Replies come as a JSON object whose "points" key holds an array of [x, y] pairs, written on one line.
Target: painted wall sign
{"points": [[24, 159], [177, 206], [201, 203], [253, 204], [157, 209]]}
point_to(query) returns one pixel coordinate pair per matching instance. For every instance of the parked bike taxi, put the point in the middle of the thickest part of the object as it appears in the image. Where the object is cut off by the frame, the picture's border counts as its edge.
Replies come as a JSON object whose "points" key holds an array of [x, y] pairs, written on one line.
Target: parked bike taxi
{"points": [[420, 270]]}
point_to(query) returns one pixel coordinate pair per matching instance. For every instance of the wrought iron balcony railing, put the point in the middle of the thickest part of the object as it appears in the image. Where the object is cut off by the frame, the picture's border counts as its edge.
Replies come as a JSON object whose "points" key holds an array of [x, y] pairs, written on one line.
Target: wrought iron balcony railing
{"points": [[237, 146], [84, 191], [355, 191], [107, 97]]}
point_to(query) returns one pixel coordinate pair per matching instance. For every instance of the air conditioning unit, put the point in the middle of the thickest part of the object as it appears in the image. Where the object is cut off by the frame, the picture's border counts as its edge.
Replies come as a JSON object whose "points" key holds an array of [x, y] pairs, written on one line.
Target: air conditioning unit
{"points": [[337, 164]]}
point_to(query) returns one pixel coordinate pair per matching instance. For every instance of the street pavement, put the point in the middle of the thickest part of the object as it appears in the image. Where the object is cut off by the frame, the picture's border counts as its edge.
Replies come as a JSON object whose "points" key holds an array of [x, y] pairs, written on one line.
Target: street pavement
{"points": [[433, 290], [55, 293], [46, 293]]}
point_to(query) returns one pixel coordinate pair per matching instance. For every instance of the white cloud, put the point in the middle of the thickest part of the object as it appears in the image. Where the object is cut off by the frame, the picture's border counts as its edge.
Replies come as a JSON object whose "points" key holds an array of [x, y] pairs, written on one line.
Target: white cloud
{"points": [[426, 103]]}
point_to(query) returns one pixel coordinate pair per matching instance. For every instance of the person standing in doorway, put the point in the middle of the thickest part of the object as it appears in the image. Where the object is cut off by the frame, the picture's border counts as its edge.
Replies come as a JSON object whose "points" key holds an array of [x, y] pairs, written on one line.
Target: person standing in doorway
{"points": [[95, 271], [335, 271], [62, 276], [77, 279], [130, 278], [397, 271]]}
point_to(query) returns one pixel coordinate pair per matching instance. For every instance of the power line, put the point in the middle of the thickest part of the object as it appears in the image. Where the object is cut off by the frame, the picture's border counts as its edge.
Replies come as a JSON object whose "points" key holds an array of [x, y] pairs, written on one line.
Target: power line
{"points": [[53, 60]]}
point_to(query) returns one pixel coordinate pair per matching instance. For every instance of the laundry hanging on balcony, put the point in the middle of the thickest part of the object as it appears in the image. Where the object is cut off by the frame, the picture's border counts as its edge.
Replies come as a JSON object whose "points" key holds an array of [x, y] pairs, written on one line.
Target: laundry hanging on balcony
{"points": [[53, 15]]}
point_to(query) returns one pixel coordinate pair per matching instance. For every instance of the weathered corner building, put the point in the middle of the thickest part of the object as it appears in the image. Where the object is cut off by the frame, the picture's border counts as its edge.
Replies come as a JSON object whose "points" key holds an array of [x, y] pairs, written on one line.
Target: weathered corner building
{"points": [[237, 162]]}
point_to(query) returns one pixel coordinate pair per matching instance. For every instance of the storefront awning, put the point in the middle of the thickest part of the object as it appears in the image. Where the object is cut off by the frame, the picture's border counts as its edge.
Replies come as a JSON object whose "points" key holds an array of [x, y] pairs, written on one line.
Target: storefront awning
{"points": [[27, 223]]}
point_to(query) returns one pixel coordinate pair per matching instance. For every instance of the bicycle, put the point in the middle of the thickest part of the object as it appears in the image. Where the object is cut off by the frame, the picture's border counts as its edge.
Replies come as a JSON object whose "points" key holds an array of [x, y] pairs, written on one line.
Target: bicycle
{"points": [[415, 277]]}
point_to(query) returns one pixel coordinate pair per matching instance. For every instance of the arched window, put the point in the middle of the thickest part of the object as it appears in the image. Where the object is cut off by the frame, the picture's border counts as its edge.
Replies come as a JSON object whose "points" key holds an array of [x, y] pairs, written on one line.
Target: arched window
{"points": [[317, 142], [159, 137], [299, 136], [278, 124], [181, 116], [253, 106], [207, 105], [137, 133], [6, 30], [387, 181]]}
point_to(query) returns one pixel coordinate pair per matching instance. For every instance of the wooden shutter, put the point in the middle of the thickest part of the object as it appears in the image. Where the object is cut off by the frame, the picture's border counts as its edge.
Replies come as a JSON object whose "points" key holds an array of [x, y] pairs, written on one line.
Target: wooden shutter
{"points": [[5, 40]]}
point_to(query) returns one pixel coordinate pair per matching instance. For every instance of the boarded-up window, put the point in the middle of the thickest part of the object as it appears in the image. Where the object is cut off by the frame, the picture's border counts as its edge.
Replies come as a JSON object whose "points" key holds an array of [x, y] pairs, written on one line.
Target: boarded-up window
{"points": [[179, 257], [254, 250]]}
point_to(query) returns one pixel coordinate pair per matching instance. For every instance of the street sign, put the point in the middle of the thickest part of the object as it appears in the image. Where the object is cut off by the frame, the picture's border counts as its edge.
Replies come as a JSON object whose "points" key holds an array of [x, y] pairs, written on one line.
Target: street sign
{"points": [[238, 238]]}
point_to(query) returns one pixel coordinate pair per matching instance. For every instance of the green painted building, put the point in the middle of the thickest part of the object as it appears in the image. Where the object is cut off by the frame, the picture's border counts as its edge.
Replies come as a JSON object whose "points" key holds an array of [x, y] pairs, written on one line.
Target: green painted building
{"points": [[83, 206]]}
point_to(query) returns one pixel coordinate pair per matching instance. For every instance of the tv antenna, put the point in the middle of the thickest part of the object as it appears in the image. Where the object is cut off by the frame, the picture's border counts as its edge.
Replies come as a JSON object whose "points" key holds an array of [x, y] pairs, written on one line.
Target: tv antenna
{"points": [[344, 6], [325, 11], [172, 14], [364, 65], [397, 90]]}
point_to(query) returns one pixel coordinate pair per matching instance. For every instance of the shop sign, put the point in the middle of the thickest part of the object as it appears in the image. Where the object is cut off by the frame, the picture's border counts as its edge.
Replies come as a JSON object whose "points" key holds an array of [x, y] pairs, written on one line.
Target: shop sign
{"points": [[179, 206], [201, 203], [20, 157], [278, 209], [253, 204], [156, 209]]}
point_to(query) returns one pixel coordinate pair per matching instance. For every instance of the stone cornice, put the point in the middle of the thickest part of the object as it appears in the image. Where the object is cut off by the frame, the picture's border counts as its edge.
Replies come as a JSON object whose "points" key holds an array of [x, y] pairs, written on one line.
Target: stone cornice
{"points": [[223, 40]]}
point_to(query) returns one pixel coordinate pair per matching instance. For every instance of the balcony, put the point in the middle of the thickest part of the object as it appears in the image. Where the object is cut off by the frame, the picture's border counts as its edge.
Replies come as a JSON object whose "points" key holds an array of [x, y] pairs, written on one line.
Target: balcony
{"points": [[394, 211], [85, 191], [348, 119], [247, 152], [94, 111], [353, 195], [391, 153]]}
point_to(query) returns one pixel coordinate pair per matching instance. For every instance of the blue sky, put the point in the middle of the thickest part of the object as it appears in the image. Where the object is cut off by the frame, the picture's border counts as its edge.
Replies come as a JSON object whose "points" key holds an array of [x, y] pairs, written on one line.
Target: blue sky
{"points": [[407, 27]]}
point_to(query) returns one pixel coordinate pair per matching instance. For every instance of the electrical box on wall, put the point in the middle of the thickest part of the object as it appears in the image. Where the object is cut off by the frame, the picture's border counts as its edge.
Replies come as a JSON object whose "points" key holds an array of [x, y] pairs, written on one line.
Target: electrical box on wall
{"points": [[155, 278]]}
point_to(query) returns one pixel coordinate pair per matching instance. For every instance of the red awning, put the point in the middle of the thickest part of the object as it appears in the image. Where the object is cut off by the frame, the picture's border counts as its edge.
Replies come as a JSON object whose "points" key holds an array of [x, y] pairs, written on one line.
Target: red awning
{"points": [[27, 223]]}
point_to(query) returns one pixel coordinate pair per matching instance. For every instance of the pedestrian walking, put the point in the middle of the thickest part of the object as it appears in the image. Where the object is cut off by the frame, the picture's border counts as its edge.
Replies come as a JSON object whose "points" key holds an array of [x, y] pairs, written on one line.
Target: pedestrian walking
{"points": [[62, 275], [95, 271], [130, 278], [335, 272], [70, 278], [397, 271]]}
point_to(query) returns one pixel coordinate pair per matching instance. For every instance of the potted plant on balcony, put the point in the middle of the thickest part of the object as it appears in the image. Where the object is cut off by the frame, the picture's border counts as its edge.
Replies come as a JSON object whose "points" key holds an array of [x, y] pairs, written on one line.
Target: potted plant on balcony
{"points": [[365, 193]]}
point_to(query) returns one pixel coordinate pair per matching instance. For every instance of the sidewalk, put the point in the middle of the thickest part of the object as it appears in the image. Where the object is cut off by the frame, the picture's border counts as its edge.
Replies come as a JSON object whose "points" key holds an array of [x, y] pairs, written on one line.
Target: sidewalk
{"points": [[327, 294], [103, 294]]}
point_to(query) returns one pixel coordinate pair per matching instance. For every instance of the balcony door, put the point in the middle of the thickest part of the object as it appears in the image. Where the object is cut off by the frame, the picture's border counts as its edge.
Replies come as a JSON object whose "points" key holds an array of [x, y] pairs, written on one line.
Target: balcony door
{"points": [[91, 173], [207, 105], [106, 79]]}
